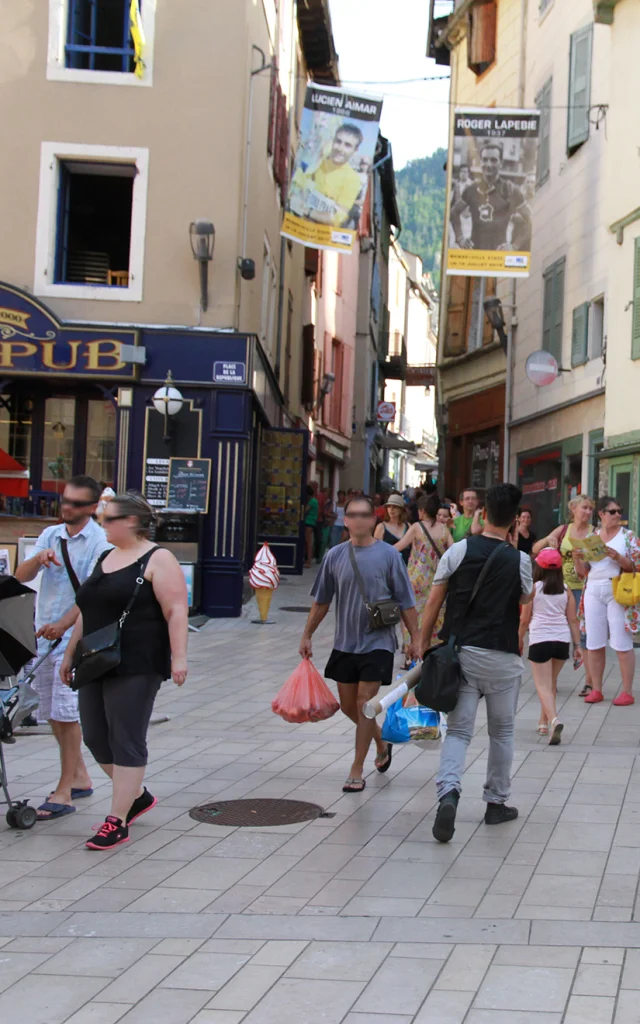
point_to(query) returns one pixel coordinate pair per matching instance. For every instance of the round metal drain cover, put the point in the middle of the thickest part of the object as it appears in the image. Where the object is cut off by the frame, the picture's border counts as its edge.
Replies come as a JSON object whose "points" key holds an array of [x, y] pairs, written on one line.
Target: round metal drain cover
{"points": [[247, 813], [296, 608]]}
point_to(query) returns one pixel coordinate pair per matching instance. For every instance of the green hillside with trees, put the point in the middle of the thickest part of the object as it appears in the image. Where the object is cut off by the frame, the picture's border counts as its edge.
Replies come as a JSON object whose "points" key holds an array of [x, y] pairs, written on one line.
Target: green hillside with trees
{"points": [[421, 191]]}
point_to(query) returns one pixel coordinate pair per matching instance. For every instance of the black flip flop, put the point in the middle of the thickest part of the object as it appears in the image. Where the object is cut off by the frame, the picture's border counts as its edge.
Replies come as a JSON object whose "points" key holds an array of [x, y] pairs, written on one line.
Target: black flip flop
{"points": [[354, 785], [385, 766], [586, 690]]}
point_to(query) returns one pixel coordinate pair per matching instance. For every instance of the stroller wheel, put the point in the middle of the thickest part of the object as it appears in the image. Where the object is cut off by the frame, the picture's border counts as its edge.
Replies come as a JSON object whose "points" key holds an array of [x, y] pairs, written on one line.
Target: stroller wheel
{"points": [[21, 816]]}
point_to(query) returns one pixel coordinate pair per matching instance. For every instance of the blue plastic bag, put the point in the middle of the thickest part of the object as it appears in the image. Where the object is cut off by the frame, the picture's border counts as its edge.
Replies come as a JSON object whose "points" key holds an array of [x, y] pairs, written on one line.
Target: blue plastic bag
{"points": [[403, 725]]}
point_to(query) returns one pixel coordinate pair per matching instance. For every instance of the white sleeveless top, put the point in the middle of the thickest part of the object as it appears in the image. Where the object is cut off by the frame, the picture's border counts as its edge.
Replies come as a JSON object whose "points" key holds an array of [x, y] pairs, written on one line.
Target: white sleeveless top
{"points": [[549, 618]]}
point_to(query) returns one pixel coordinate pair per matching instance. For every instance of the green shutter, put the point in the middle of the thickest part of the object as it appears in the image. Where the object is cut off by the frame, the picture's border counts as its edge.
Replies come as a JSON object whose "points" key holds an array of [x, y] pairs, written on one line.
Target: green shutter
{"points": [[635, 330], [543, 103], [579, 87], [557, 313], [547, 308], [579, 334]]}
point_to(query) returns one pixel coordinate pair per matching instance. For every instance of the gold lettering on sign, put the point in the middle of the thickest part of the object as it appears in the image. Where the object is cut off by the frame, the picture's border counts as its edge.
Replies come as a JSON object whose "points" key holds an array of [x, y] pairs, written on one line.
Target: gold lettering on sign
{"points": [[103, 355], [48, 360], [14, 318], [10, 350]]}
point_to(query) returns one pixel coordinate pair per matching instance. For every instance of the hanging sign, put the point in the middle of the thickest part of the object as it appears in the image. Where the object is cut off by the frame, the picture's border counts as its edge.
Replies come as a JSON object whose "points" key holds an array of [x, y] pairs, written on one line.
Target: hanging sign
{"points": [[495, 160]]}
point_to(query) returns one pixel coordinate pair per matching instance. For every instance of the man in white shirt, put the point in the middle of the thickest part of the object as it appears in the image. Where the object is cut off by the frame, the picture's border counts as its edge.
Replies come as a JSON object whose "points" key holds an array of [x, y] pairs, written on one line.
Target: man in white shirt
{"points": [[83, 541]]}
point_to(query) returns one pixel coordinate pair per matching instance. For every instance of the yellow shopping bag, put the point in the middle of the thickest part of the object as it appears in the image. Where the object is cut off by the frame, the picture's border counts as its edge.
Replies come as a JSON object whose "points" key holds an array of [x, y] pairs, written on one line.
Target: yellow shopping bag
{"points": [[626, 589]]}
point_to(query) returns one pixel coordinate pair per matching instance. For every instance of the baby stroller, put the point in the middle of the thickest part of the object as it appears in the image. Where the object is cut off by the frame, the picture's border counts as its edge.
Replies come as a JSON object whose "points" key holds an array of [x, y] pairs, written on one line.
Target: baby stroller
{"points": [[17, 647]]}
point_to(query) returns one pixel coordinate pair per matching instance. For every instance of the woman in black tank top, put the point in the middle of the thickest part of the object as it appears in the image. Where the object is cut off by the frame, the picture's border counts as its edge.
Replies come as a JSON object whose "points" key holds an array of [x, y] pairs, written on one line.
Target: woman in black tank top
{"points": [[394, 525], [115, 709]]}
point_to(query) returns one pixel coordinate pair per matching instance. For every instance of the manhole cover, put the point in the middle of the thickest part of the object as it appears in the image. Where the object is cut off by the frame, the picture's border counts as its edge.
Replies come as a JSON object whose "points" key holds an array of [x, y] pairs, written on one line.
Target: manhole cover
{"points": [[245, 813], [296, 608]]}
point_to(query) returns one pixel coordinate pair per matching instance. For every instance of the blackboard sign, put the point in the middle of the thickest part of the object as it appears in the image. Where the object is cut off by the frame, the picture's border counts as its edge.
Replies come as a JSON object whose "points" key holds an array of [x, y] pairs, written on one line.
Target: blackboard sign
{"points": [[156, 479], [189, 481]]}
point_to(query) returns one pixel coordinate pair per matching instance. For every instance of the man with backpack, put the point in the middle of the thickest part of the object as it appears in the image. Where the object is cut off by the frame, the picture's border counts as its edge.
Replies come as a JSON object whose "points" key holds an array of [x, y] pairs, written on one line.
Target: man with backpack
{"points": [[484, 626]]}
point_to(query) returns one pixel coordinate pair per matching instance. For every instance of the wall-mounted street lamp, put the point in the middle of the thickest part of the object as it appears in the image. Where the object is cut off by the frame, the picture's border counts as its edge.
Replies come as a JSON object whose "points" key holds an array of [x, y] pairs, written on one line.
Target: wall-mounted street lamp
{"points": [[495, 316], [326, 388], [202, 236], [168, 402]]}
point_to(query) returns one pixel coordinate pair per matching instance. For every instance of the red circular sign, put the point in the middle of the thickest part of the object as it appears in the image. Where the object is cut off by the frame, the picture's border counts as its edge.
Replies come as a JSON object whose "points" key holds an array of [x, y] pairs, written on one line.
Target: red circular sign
{"points": [[541, 368]]}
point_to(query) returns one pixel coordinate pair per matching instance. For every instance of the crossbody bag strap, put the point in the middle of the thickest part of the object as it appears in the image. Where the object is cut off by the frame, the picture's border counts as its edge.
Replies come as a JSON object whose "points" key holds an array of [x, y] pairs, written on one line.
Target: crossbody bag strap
{"points": [[357, 574], [142, 565], [71, 573], [435, 547]]}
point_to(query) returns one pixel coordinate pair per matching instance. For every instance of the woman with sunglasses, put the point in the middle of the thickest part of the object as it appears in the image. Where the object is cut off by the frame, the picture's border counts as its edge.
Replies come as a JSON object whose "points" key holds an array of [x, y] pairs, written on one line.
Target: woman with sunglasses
{"points": [[604, 617], [115, 710]]}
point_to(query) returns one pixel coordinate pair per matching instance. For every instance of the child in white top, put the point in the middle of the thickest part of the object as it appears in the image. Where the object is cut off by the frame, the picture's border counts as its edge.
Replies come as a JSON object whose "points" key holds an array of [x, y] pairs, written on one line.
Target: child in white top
{"points": [[552, 623]]}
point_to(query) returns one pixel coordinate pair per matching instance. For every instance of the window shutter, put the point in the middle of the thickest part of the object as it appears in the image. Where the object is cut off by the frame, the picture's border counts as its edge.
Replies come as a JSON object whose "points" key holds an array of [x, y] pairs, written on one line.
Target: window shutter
{"points": [[635, 332], [579, 335], [346, 398], [579, 87], [547, 310], [558, 311], [273, 109], [481, 35], [456, 336], [489, 292], [307, 395], [543, 103]]}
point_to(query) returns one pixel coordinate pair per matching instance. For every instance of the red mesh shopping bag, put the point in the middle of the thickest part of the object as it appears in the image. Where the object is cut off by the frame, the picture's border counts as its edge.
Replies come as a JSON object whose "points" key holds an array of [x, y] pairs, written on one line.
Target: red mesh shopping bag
{"points": [[305, 697]]}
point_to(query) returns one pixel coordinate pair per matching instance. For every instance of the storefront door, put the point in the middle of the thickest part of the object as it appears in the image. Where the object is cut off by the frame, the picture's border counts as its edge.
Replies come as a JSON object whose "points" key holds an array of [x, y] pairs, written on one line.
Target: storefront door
{"points": [[621, 475], [281, 495]]}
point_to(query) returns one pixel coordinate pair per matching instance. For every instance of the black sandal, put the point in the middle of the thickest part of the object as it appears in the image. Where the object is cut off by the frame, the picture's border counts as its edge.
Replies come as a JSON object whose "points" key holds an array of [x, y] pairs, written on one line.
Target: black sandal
{"points": [[354, 786], [586, 690], [385, 765]]}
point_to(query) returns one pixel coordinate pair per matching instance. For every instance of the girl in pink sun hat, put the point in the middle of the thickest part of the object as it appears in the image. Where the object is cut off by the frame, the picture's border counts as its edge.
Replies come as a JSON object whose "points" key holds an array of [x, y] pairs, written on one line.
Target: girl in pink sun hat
{"points": [[552, 623]]}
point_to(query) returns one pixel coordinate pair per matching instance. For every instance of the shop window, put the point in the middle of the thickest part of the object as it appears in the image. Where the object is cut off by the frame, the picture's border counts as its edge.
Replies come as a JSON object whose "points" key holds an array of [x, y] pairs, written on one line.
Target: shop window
{"points": [[99, 35], [543, 103], [579, 87], [101, 441], [91, 41], [481, 35], [57, 449], [596, 328], [15, 436], [553, 309], [580, 335], [91, 226], [94, 223]]}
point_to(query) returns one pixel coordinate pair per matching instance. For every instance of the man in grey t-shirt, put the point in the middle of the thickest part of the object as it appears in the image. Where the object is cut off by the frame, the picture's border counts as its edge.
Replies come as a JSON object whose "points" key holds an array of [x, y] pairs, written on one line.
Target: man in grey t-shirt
{"points": [[362, 658]]}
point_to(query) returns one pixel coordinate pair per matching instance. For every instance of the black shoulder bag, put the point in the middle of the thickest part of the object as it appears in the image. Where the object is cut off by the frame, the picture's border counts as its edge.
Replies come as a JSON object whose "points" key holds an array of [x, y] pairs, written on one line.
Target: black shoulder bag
{"points": [[98, 653], [441, 678], [382, 614], [71, 573]]}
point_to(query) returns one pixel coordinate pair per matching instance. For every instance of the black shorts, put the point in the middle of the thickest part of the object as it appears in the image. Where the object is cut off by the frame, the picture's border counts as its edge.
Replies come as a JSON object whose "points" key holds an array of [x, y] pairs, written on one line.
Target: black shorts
{"points": [[547, 650], [372, 667]]}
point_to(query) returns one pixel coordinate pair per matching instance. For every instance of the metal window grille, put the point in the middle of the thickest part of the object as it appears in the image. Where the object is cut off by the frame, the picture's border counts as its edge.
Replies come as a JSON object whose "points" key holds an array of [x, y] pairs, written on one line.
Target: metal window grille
{"points": [[98, 36]]}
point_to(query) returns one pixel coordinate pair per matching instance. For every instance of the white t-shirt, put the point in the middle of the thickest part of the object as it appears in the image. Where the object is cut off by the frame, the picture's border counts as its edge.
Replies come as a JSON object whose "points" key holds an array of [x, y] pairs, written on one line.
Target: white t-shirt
{"points": [[549, 618], [339, 511], [607, 568]]}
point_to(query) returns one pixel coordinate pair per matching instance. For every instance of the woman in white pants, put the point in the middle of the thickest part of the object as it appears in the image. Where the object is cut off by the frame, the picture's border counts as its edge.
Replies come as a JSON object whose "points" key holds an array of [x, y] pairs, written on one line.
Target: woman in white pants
{"points": [[604, 617]]}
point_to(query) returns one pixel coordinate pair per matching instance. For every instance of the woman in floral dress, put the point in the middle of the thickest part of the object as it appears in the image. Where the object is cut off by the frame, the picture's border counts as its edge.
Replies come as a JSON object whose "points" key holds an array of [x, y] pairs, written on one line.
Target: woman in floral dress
{"points": [[429, 539]]}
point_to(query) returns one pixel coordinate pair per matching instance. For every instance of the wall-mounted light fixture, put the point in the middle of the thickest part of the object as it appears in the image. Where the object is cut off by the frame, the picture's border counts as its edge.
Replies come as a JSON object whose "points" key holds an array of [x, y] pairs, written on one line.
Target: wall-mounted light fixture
{"points": [[202, 236], [325, 388], [168, 402], [495, 316]]}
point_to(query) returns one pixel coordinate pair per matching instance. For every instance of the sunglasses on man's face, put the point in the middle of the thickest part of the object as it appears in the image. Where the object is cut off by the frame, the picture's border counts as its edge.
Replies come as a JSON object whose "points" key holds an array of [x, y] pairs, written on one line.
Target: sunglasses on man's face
{"points": [[75, 504], [613, 511], [358, 515]]}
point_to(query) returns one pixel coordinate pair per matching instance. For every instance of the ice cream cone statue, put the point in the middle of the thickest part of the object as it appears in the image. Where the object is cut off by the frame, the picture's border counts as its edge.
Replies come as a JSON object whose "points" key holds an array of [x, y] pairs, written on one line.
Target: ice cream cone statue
{"points": [[264, 577]]}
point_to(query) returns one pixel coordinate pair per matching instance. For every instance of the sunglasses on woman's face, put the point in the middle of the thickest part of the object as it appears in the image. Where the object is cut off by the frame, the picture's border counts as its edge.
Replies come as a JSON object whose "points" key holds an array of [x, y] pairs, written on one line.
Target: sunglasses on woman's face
{"points": [[613, 511], [113, 519]]}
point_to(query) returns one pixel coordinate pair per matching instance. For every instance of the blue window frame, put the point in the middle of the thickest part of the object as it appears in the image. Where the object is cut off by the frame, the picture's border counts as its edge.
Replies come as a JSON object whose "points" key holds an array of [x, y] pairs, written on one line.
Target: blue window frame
{"points": [[98, 36]]}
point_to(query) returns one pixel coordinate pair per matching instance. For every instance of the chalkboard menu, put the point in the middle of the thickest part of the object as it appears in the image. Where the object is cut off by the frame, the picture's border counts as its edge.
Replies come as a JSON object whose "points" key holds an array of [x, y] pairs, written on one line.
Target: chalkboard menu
{"points": [[189, 481], [156, 478]]}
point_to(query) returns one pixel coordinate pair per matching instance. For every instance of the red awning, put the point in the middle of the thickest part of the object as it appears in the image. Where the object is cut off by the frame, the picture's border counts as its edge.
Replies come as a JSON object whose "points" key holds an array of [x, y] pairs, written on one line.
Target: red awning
{"points": [[14, 478]]}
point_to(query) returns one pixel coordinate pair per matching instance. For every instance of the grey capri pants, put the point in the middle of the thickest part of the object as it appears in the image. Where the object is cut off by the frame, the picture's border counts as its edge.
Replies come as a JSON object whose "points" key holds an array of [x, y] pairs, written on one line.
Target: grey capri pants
{"points": [[114, 714]]}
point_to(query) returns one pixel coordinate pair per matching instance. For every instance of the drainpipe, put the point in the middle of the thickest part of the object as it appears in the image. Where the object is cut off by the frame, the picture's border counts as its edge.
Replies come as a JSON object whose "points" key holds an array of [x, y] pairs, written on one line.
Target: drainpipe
{"points": [[283, 241], [512, 335], [247, 172]]}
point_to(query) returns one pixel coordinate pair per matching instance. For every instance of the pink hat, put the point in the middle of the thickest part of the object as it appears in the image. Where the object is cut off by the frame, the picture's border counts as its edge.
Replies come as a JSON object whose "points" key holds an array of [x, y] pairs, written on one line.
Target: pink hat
{"points": [[549, 558]]}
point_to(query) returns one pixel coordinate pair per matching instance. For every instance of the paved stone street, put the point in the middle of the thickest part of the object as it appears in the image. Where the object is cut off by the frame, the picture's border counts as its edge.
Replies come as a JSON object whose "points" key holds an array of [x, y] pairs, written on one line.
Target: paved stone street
{"points": [[361, 918]]}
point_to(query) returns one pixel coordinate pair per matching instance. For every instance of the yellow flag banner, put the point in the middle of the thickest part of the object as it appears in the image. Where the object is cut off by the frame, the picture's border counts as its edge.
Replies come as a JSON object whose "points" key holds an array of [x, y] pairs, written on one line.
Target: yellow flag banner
{"points": [[137, 35]]}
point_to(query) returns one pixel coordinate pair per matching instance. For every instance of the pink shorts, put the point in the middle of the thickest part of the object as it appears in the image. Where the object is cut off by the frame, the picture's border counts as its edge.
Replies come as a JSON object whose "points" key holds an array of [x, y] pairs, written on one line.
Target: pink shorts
{"points": [[58, 703]]}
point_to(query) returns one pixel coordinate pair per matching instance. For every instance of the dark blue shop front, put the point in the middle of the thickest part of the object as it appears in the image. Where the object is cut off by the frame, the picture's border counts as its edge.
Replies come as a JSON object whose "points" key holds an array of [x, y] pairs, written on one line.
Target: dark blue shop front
{"points": [[78, 398]]}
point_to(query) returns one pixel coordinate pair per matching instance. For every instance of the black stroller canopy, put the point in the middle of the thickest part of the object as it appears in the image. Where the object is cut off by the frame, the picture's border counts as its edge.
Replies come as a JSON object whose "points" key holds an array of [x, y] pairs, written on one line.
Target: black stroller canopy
{"points": [[17, 634]]}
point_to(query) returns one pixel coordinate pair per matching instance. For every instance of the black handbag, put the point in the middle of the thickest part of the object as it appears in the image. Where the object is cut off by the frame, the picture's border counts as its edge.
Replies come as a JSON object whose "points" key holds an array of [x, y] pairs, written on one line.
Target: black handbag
{"points": [[98, 653], [442, 677], [382, 614]]}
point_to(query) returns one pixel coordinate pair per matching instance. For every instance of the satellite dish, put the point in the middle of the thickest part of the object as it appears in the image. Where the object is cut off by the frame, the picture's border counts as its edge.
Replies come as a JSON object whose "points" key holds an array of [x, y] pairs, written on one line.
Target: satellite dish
{"points": [[541, 368]]}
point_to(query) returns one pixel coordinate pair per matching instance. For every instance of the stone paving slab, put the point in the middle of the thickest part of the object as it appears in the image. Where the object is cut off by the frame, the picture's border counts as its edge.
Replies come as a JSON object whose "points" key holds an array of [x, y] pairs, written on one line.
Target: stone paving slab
{"points": [[355, 919]]}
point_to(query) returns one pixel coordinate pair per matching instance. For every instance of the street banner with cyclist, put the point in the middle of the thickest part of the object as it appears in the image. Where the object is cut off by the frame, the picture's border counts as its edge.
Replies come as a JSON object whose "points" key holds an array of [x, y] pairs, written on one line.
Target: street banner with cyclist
{"points": [[336, 151], [494, 176]]}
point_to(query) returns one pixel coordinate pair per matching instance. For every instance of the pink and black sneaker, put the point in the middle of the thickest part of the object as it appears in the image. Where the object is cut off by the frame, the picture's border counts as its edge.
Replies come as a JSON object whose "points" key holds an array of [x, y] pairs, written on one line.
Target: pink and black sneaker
{"points": [[112, 833], [141, 805]]}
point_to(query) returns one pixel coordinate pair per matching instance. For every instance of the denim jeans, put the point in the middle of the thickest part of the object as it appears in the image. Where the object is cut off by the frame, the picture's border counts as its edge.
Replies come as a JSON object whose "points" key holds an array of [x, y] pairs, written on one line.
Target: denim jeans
{"points": [[496, 676]]}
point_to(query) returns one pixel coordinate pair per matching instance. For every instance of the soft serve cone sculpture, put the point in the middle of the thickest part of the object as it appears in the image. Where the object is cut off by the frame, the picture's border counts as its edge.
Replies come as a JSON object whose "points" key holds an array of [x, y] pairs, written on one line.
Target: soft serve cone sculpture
{"points": [[264, 577]]}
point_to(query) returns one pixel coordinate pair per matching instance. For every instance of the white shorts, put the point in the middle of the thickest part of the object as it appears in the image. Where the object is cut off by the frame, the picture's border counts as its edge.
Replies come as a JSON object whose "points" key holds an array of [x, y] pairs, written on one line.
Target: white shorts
{"points": [[604, 618], [58, 703]]}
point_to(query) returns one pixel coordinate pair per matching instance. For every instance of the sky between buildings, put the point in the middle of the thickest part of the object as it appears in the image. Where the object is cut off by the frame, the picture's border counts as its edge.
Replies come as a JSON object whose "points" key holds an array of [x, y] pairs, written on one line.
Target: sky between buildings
{"points": [[385, 41]]}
